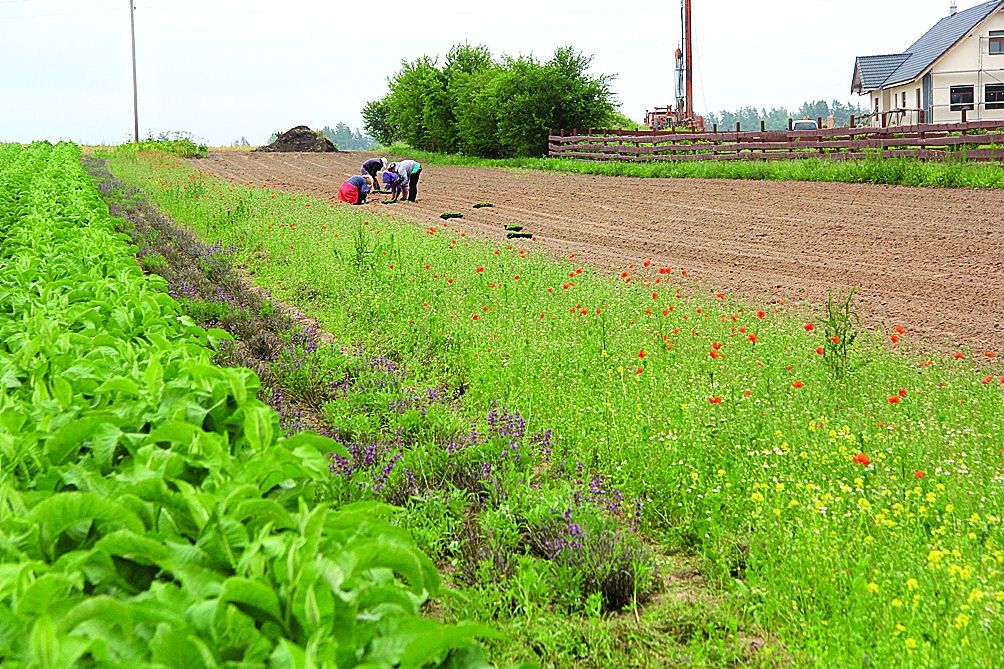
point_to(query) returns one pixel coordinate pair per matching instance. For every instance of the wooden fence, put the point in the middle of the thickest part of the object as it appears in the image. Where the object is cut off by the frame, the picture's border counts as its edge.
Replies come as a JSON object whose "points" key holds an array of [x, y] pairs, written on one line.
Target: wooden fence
{"points": [[975, 140]]}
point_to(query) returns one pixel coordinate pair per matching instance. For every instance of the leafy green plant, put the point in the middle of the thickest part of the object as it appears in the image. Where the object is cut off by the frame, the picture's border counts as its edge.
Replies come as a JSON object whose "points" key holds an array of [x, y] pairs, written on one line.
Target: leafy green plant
{"points": [[150, 512], [450, 214], [841, 329]]}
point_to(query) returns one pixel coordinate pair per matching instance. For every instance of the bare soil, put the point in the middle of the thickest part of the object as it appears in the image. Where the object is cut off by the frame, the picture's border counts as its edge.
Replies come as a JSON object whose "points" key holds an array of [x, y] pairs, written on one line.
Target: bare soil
{"points": [[930, 260]]}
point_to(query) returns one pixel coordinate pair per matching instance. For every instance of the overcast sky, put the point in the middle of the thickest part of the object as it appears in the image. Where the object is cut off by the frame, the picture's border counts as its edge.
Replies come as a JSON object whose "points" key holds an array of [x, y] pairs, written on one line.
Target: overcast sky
{"points": [[223, 69]]}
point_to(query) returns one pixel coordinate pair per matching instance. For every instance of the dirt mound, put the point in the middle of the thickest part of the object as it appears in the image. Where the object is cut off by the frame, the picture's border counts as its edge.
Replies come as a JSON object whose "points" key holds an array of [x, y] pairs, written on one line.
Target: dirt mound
{"points": [[300, 139]]}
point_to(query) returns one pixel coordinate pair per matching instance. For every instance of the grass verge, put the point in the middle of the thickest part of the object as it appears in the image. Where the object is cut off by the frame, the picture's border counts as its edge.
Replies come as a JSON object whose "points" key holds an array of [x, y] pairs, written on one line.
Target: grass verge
{"points": [[890, 171], [846, 494]]}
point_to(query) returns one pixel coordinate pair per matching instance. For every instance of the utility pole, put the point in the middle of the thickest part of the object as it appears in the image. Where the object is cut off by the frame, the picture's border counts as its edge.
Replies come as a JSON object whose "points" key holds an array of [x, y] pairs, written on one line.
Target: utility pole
{"points": [[135, 90]]}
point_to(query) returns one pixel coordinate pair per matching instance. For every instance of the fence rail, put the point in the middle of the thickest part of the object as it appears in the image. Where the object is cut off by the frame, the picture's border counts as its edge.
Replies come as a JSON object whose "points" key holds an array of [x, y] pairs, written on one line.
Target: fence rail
{"points": [[975, 140]]}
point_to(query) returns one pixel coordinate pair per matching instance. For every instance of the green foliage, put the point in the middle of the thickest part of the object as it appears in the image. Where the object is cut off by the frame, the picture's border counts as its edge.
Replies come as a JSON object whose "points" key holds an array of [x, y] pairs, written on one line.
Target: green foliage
{"points": [[150, 513], [844, 563], [476, 105]]}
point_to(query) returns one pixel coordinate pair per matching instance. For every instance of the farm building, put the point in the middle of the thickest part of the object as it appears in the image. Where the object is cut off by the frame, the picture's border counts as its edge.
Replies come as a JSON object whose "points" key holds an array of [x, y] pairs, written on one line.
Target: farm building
{"points": [[957, 65]]}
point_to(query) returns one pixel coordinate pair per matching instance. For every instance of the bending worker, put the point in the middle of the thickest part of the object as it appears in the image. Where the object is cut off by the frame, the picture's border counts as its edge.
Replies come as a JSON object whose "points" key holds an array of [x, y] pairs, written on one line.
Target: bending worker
{"points": [[410, 170], [372, 167], [355, 189]]}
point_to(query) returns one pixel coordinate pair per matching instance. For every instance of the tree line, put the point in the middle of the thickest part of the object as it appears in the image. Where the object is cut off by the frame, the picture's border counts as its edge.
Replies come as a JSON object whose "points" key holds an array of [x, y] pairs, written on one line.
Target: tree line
{"points": [[342, 136], [476, 104], [777, 118]]}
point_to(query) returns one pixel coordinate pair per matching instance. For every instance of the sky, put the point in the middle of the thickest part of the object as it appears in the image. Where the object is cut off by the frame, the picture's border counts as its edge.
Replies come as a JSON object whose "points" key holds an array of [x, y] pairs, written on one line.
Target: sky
{"points": [[226, 69]]}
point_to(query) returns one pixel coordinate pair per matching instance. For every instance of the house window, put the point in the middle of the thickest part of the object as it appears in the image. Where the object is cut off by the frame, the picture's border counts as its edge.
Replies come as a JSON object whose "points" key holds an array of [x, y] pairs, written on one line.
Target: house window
{"points": [[904, 99], [918, 99], [995, 96], [996, 42], [876, 104], [962, 98]]}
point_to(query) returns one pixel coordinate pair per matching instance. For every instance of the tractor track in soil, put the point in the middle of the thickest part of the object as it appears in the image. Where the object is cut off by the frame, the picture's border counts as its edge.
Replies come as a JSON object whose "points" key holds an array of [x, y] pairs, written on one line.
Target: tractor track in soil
{"points": [[931, 260]]}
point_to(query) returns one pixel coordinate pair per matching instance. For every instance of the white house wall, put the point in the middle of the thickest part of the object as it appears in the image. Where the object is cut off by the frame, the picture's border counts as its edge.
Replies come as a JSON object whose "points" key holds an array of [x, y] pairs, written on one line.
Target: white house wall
{"points": [[963, 66]]}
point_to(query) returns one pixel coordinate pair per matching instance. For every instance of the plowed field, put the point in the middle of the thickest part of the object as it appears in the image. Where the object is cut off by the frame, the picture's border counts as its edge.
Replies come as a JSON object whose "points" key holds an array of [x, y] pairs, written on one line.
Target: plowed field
{"points": [[928, 259]]}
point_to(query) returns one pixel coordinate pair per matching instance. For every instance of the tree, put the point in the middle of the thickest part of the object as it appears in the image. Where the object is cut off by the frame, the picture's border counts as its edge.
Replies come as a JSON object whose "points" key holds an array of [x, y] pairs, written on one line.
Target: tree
{"points": [[476, 105], [376, 120]]}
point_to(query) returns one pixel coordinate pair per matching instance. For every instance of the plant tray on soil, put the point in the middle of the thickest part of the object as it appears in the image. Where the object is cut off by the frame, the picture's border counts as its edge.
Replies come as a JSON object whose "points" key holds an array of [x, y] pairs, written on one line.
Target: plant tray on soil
{"points": [[388, 201], [518, 235], [483, 205], [514, 228], [451, 214]]}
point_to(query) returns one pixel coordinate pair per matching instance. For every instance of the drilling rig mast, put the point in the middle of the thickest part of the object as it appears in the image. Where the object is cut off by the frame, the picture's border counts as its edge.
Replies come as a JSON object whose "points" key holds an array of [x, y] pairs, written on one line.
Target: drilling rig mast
{"points": [[668, 117]]}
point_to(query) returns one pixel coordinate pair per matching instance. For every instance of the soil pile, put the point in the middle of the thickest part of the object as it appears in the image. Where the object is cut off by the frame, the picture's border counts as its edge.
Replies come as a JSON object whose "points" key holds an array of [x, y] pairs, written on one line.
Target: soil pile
{"points": [[300, 139]]}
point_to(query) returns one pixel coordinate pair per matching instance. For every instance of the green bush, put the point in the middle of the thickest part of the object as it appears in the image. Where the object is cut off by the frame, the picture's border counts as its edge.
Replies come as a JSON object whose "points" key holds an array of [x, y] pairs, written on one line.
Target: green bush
{"points": [[477, 105]]}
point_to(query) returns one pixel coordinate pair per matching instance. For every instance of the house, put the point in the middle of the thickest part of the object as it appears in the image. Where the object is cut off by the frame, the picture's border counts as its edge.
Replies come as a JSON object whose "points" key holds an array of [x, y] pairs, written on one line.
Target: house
{"points": [[957, 65]]}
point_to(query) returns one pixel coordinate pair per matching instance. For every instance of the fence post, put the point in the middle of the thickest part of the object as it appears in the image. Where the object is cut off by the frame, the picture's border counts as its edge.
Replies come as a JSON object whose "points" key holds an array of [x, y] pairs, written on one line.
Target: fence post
{"points": [[739, 126], [819, 122], [964, 115], [852, 121], [885, 118], [923, 116], [763, 126], [714, 128], [791, 124]]}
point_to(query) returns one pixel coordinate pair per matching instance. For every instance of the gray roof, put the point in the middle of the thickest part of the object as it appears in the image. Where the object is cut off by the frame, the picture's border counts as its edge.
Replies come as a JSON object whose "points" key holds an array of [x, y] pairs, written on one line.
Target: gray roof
{"points": [[945, 34], [872, 71]]}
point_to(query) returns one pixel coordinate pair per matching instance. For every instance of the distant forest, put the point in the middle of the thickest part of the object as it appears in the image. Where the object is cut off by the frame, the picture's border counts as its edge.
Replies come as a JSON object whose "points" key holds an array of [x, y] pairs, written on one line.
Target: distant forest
{"points": [[777, 118], [342, 136]]}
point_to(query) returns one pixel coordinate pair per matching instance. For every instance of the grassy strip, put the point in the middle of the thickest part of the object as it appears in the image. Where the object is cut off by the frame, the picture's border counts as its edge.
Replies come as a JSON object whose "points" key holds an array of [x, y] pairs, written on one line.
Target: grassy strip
{"points": [[892, 171], [849, 497], [150, 513]]}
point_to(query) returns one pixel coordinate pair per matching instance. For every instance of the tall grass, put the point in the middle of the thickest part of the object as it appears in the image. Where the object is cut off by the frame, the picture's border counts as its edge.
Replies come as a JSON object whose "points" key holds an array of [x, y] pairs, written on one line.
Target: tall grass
{"points": [[892, 171]]}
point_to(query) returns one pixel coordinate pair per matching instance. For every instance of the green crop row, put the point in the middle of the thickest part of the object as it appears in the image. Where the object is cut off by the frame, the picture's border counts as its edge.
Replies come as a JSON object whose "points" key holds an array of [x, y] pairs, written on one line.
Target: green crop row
{"points": [[845, 490], [893, 171], [151, 515]]}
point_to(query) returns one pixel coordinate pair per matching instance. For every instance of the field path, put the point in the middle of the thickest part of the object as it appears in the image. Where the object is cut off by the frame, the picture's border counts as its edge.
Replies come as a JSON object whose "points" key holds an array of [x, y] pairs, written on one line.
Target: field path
{"points": [[931, 260]]}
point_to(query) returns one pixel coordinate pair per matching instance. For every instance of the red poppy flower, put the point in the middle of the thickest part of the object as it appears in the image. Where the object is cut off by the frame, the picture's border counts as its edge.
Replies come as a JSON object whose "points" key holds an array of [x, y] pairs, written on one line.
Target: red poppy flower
{"points": [[720, 296], [918, 474], [753, 338], [647, 263], [516, 277], [862, 459], [790, 367], [761, 315], [599, 311], [542, 315], [641, 354], [639, 370], [747, 393], [895, 399], [715, 400], [716, 346], [894, 339], [475, 317], [624, 275], [480, 270], [798, 385], [903, 392], [900, 330], [959, 356], [820, 350], [428, 267], [988, 379], [835, 340], [809, 327], [655, 296], [714, 354]]}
